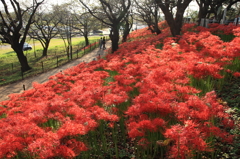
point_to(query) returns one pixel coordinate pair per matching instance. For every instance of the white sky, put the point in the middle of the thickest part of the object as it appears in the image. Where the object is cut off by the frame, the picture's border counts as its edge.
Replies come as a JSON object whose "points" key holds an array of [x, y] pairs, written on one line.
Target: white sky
{"points": [[193, 5], [57, 1]]}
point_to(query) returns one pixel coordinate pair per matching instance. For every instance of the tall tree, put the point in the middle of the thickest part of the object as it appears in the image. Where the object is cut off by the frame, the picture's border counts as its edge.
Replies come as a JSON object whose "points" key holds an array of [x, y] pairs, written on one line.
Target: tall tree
{"points": [[111, 13], [45, 28], [175, 22], [204, 5], [13, 28], [149, 12], [127, 25], [84, 22], [65, 13], [233, 10], [208, 7]]}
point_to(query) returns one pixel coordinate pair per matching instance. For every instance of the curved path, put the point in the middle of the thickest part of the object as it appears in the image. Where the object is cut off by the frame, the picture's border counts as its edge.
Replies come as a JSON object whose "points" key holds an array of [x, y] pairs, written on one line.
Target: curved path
{"points": [[17, 87]]}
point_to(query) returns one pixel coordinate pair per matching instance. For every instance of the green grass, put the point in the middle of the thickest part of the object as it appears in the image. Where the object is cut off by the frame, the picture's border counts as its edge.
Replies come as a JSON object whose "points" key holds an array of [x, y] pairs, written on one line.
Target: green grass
{"points": [[10, 66], [226, 38]]}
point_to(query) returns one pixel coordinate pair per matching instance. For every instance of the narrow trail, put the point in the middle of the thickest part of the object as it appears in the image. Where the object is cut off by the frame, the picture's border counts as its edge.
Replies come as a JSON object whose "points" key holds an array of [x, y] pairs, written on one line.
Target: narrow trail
{"points": [[17, 87]]}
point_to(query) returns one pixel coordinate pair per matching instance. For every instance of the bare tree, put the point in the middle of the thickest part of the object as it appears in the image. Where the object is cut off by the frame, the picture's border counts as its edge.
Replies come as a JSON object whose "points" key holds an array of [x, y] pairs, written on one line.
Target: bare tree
{"points": [[149, 12], [208, 7], [13, 29], [111, 13], [84, 22], [65, 27], [175, 22], [45, 28]]}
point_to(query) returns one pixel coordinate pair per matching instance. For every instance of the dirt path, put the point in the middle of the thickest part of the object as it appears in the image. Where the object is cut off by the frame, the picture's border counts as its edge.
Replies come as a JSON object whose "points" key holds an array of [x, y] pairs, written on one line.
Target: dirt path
{"points": [[41, 78]]}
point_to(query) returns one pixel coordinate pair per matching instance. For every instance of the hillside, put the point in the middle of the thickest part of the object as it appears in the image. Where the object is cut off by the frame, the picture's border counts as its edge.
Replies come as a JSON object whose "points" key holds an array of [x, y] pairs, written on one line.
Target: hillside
{"points": [[153, 98]]}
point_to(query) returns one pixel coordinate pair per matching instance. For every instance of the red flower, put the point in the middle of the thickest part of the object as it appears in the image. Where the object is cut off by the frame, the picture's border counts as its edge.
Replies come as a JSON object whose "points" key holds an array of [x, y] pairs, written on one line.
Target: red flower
{"points": [[236, 74]]}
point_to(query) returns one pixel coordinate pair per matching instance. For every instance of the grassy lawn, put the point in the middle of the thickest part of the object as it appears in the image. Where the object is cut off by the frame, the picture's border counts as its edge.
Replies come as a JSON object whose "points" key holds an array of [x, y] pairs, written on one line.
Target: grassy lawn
{"points": [[10, 66], [54, 44]]}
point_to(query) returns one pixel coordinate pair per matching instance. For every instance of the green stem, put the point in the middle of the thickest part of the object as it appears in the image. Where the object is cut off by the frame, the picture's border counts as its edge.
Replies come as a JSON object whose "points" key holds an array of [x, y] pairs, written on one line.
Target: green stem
{"points": [[115, 141], [102, 128]]}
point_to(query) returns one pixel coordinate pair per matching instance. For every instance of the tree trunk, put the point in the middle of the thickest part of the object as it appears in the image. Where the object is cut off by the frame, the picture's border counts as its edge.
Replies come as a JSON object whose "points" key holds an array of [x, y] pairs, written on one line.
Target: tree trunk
{"points": [[178, 22], [175, 24], [150, 27], [126, 31], [172, 24], [114, 36], [22, 58], [203, 11], [45, 49], [156, 29], [86, 40], [69, 51]]}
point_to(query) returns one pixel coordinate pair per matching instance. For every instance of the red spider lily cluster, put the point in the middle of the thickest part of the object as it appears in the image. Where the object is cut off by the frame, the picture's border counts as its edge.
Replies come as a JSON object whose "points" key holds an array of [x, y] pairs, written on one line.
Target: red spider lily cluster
{"points": [[162, 107]]}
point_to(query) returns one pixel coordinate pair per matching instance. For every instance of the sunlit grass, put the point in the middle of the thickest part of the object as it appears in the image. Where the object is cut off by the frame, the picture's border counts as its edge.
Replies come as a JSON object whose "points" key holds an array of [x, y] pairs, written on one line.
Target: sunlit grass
{"points": [[10, 67], [6, 51]]}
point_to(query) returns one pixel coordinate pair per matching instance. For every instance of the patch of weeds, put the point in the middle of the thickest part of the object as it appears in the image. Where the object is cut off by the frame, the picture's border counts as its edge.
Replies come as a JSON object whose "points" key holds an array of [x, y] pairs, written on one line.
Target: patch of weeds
{"points": [[159, 46], [226, 38], [230, 93]]}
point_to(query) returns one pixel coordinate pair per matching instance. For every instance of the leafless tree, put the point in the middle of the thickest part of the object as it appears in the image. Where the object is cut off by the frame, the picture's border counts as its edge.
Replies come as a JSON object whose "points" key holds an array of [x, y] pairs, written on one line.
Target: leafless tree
{"points": [[65, 27], [149, 12], [13, 28], [84, 22], [208, 7], [45, 28], [111, 13]]}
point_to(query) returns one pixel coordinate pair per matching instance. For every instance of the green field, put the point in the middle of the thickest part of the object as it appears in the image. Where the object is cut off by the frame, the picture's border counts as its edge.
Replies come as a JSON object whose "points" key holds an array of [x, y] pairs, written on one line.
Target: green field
{"points": [[7, 51], [10, 66]]}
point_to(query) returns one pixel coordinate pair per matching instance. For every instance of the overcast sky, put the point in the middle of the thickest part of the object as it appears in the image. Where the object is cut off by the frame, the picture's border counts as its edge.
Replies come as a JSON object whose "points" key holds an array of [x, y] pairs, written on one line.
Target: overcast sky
{"points": [[57, 1], [193, 5]]}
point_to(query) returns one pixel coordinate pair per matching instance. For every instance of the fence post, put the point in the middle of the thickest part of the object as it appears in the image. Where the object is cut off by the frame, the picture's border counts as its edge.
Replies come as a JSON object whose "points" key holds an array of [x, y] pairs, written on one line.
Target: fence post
{"points": [[42, 67], [77, 53], [24, 87], [12, 67], [57, 61]]}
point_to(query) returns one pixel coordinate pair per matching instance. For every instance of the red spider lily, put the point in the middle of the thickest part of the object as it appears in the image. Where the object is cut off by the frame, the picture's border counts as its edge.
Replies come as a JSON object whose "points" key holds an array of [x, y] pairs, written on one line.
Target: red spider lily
{"points": [[153, 84], [236, 74], [236, 31], [143, 142], [186, 140], [222, 29], [71, 148]]}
